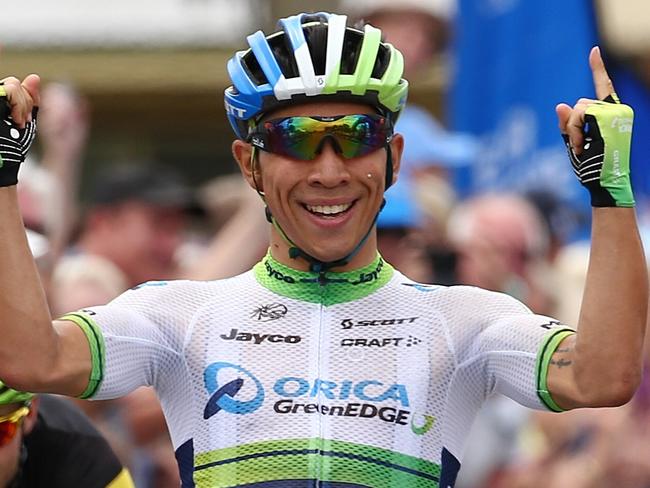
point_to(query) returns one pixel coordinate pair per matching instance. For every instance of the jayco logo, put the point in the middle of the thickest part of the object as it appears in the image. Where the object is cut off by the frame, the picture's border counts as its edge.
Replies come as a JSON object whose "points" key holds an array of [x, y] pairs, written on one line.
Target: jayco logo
{"points": [[274, 273], [236, 335]]}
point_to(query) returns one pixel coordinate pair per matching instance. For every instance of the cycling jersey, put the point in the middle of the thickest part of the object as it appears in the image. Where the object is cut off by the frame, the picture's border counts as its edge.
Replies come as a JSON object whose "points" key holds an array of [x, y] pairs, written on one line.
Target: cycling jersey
{"points": [[65, 450], [280, 378]]}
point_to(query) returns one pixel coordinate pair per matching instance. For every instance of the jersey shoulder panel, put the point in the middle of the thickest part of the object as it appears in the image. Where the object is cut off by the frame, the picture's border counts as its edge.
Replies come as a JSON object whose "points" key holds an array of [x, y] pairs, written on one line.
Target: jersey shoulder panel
{"points": [[168, 306]]}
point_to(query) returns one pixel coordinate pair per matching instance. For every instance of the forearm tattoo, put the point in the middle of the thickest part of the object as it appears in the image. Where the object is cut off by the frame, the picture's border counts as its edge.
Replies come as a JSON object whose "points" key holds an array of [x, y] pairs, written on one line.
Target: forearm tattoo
{"points": [[559, 359]]}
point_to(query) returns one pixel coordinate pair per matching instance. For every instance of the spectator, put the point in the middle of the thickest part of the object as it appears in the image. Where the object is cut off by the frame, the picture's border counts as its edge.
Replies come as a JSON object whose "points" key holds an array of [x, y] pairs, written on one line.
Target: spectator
{"points": [[502, 245], [421, 30], [135, 222], [46, 441]]}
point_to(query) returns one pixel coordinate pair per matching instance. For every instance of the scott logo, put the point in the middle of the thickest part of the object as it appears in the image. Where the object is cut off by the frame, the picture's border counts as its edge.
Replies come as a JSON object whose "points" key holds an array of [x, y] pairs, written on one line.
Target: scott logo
{"points": [[349, 323], [235, 335], [222, 396], [236, 111]]}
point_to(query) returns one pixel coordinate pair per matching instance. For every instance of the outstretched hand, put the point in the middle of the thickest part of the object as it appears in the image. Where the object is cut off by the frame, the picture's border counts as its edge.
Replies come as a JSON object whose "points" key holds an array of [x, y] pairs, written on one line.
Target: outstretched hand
{"points": [[21, 97], [572, 119], [18, 107], [598, 136]]}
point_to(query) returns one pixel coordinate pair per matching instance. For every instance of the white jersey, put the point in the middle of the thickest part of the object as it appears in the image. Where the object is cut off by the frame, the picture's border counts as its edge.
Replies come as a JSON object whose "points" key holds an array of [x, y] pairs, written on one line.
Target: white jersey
{"points": [[279, 378]]}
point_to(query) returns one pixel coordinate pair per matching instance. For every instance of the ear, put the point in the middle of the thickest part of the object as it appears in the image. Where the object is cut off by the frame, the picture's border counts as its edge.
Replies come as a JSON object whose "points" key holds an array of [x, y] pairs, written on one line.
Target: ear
{"points": [[243, 154], [30, 421], [397, 148]]}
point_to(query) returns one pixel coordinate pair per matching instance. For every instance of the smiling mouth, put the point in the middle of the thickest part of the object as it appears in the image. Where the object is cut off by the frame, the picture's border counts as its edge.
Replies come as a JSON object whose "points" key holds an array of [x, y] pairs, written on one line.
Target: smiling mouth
{"points": [[328, 211]]}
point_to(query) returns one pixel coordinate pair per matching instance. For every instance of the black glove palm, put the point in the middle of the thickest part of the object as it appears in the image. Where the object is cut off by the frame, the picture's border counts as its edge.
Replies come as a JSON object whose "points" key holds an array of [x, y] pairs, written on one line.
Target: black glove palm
{"points": [[14, 144]]}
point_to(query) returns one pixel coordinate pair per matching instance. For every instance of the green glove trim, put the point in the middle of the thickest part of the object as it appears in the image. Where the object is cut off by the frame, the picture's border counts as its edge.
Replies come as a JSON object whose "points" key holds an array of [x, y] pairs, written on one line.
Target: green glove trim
{"points": [[615, 121], [603, 167]]}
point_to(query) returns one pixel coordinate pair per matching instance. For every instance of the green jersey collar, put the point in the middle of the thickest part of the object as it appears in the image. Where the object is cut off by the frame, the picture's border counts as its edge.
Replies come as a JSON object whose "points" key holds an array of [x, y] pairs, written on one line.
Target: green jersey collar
{"points": [[328, 288]]}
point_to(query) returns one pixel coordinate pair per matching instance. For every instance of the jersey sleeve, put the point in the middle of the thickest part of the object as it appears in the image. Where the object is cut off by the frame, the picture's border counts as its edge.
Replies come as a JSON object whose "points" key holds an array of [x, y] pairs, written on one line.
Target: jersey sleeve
{"points": [[135, 340], [501, 346]]}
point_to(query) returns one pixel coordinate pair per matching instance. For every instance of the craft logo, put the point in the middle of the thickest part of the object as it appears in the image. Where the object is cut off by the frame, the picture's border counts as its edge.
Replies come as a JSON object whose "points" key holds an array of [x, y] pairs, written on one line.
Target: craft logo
{"points": [[408, 341]]}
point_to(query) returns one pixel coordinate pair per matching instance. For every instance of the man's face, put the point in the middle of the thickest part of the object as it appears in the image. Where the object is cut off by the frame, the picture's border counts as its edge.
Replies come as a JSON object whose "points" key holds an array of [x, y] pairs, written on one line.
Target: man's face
{"points": [[325, 205], [148, 237], [10, 453]]}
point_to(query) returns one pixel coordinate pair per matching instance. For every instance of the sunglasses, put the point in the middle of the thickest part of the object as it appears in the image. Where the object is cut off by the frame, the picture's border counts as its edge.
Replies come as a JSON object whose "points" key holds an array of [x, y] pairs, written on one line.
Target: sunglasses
{"points": [[303, 138], [10, 424]]}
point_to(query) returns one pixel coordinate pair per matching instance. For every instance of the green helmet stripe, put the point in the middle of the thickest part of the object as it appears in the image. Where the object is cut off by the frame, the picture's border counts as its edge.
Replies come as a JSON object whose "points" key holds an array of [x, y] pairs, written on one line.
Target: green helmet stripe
{"points": [[393, 98], [333, 83], [366, 61]]}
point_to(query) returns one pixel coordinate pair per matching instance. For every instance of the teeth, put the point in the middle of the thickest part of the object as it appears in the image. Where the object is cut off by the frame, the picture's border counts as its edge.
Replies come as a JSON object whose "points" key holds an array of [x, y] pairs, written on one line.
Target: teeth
{"points": [[328, 209]]}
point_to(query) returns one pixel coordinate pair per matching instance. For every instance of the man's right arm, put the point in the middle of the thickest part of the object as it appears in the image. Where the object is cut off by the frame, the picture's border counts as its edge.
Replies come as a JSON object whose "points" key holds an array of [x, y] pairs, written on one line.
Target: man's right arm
{"points": [[35, 354]]}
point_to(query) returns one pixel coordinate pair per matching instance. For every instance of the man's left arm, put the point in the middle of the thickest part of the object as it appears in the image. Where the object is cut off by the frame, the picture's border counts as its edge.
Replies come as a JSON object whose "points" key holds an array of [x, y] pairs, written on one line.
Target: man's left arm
{"points": [[601, 364]]}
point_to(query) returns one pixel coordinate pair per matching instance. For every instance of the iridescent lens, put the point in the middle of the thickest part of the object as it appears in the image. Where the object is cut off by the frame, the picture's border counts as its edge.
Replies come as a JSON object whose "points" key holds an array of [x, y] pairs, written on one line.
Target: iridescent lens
{"points": [[7, 432], [304, 137], [9, 424]]}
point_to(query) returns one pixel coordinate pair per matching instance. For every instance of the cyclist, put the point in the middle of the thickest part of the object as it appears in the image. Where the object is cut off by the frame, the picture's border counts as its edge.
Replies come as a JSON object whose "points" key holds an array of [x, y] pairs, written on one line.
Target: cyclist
{"points": [[324, 366], [47, 441]]}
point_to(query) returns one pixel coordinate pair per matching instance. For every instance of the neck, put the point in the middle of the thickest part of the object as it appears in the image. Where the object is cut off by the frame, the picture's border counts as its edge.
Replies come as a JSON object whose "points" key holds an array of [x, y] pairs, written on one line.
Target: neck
{"points": [[327, 288], [280, 251]]}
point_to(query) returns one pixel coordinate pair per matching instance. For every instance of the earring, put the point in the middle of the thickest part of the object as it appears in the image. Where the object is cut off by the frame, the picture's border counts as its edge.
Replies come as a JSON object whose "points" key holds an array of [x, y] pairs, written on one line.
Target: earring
{"points": [[369, 175]]}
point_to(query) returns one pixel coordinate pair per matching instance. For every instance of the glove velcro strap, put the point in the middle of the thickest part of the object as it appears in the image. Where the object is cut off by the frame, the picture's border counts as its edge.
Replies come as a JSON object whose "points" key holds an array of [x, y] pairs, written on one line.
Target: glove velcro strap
{"points": [[14, 142]]}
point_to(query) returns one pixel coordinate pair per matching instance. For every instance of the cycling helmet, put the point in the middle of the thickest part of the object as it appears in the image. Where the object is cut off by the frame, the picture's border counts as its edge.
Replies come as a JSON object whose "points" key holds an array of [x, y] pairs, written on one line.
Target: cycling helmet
{"points": [[315, 56], [8, 396]]}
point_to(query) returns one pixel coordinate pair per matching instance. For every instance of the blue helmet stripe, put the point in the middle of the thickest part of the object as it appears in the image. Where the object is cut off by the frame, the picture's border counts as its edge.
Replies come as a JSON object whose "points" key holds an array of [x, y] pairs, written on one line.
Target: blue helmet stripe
{"points": [[265, 57], [293, 28], [240, 78]]}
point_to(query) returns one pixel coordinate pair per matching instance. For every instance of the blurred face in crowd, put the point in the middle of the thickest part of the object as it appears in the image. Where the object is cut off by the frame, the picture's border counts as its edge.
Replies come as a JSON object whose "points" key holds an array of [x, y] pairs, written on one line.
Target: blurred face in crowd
{"points": [[10, 452], [413, 33], [324, 205], [496, 237], [140, 238]]}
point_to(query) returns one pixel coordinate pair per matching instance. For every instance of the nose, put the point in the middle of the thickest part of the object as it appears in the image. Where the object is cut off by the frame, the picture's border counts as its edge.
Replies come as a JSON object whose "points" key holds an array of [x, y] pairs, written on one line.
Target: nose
{"points": [[329, 168]]}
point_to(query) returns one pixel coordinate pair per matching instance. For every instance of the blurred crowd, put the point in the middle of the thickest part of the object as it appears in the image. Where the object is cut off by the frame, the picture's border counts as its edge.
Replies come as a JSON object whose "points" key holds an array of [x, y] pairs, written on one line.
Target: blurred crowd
{"points": [[140, 221]]}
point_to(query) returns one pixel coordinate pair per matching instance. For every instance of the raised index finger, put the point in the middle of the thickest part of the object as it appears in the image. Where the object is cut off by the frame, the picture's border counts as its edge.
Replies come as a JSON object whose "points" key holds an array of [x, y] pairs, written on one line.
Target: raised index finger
{"points": [[602, 82]]}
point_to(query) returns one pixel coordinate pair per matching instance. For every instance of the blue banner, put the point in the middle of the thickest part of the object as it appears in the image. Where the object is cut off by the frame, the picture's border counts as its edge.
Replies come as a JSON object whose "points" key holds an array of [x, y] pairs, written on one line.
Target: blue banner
{"points": [[634, 92], [516, 59]]}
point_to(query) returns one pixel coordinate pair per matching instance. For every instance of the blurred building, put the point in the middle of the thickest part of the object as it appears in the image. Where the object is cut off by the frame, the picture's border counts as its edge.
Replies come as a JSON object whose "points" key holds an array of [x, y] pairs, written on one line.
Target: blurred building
{"points": [[153, 70]]}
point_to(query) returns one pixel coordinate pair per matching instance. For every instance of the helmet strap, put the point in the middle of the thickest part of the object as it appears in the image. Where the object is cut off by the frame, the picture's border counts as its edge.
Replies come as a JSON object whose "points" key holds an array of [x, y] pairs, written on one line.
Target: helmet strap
{"points": [[316, 265], [389, 168]]}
